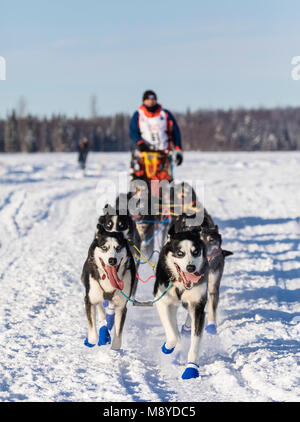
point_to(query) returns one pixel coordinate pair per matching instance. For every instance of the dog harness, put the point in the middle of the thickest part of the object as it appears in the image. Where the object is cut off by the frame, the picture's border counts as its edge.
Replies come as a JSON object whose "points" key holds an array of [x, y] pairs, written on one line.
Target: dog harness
{"points": [[147, 303]]}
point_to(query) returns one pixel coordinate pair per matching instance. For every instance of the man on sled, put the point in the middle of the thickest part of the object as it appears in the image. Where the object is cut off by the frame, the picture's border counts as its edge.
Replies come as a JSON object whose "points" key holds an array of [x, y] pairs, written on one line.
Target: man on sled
{"points": [[154, 131]]}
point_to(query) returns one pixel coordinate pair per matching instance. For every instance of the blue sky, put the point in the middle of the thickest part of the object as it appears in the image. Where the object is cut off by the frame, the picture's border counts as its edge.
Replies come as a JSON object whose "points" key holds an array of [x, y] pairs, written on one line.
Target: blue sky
{"points": [[197, 54]]}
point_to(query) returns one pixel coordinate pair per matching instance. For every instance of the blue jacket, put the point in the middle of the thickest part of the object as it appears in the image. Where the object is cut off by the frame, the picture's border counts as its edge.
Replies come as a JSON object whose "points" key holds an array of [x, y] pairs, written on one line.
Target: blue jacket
{"points": [[174, 132]]}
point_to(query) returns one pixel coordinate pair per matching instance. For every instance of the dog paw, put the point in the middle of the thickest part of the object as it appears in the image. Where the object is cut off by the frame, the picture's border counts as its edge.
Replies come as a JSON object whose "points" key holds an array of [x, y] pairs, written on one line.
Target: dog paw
{"points": [[211, 328], [104, 336], [185, 331], [86, 343], [165, 350], [191, 371]]}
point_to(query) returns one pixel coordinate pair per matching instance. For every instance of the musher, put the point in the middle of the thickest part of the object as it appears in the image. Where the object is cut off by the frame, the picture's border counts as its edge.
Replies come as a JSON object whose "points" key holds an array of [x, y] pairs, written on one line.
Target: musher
{"points": [[154, 129]]}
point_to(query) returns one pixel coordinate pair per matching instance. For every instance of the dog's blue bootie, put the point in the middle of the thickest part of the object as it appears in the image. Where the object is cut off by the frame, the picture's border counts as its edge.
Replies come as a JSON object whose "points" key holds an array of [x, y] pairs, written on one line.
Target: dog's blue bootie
{"points": [[211, 328], [185, 331], [165, 350], [191, 371], [110, 318], [104, 336], [86, 343]]}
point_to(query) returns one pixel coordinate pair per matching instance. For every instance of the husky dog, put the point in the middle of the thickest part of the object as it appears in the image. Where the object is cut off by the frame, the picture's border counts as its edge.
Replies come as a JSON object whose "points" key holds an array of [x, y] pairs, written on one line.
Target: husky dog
{"points": [[216, 259], [182, 261], [183, 223], [108, 269], [114, 219]]}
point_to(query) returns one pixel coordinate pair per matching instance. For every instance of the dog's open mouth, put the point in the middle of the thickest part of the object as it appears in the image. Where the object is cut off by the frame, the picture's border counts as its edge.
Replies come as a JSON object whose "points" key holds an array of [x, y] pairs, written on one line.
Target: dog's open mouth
{"points": [[112, 275], [188, 279]]}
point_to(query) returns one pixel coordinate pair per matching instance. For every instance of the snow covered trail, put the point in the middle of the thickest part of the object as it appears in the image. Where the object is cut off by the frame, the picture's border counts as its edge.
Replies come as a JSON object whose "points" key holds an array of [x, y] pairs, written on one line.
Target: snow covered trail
{"points": [[47, 221]]}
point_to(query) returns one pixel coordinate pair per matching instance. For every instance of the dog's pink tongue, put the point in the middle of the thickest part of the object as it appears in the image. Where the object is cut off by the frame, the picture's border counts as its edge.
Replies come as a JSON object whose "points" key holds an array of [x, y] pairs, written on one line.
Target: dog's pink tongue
{"points": [[113, 277], [191, 277]]}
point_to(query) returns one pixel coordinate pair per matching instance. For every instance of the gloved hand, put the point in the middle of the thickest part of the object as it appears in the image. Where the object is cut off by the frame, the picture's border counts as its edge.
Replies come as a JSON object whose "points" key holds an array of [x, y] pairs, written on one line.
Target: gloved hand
{"points": [[143, 147], [178, 158]]}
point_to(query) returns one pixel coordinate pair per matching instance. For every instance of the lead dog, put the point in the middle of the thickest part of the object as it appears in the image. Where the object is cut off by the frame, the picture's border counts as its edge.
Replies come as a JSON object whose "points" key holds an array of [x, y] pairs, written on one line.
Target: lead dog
{"points": [[182, 261], [216, 259], [108, 269]]}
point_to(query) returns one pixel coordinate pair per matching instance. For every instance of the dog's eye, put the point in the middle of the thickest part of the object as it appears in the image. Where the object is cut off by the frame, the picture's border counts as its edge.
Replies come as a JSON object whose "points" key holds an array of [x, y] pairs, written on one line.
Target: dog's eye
{"points": [[195, 252], [118, 248], [121, 226], [180, 254], [104, 248], [109, 225]]}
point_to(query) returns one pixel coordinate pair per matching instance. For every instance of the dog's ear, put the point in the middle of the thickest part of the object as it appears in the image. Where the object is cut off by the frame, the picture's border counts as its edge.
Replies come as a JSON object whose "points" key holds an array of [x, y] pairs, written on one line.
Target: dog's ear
{"points": [[171, 231], [93, 245], [101, 221], [226, 253], [100, 230]]}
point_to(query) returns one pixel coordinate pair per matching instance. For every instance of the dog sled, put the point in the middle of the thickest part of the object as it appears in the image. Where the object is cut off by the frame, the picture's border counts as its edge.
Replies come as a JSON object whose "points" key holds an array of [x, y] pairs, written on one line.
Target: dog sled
{"points": [[151, 167]]}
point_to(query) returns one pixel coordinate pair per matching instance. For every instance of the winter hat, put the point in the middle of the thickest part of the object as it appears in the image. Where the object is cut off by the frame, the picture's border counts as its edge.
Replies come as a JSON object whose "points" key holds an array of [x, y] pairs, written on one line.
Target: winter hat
{"points": [[149, 94]]}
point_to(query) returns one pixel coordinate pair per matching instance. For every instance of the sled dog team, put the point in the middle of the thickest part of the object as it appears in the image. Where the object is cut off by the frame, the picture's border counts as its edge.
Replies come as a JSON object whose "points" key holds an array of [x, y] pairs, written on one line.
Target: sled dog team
{"points": [[189, 271]]}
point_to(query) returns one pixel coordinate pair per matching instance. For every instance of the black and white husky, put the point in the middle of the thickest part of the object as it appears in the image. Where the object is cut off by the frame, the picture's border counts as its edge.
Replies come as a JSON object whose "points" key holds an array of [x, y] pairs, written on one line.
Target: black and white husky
{"points": [[216, 259], [183, 261], [117, 220], [108, 270]]}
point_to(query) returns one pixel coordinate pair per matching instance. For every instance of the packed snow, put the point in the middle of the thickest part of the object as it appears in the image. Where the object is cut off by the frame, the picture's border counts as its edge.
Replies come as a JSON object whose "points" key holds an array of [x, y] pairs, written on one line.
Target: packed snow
{"points": [[48, 215]]}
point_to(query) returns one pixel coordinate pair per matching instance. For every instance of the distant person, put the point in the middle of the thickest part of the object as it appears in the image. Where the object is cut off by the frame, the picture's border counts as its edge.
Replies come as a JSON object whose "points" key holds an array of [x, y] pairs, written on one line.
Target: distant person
{"points": [[83, 149]]}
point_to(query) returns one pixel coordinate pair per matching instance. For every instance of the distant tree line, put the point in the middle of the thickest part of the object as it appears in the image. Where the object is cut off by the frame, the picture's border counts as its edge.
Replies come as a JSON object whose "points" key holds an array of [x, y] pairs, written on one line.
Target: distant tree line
{"points": [[206, 130]]}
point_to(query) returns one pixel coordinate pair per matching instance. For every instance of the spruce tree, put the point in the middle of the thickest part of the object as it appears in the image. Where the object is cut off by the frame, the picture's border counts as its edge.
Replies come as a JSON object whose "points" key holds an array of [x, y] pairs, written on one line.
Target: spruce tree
{"points": [[11, 139]]}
